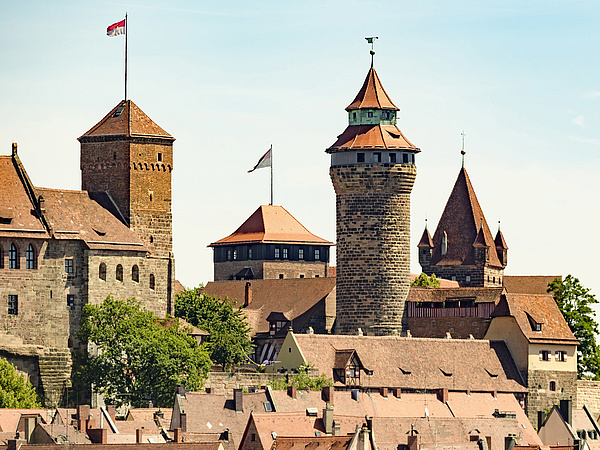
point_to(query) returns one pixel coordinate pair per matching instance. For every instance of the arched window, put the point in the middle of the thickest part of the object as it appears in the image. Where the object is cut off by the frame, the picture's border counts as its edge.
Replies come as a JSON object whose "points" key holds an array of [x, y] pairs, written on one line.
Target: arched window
{"points": [[13, 257], [119, 273], [30, 257], [553, 385], [135, 273], [102, 271], [152, 281]]}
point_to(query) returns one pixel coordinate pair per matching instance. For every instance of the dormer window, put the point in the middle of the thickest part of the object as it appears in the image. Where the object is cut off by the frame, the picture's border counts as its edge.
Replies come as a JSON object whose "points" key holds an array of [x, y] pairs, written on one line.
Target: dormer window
{"points": [[538, 327]]}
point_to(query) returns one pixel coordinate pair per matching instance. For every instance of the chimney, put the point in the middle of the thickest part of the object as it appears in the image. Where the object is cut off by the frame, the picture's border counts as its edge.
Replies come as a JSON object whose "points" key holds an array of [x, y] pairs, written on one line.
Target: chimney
{"points": [[177, 436], [14, 148], [291, 391], [541, 415], [83, 412], [509, 442], [327, 394], [238, 399], [337, 429], [566, 408], [443, 395], [413, 442], [183, 421], [328, 418], [180, 390], [248, 293], [139, 435], [384, 392], [112, 412], [15, 444], [397, 392], [98, 435]]}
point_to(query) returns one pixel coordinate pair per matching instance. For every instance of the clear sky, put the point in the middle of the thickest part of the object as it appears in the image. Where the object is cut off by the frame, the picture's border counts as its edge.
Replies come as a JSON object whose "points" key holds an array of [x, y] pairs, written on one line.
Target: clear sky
{"points": [[228, 79]]}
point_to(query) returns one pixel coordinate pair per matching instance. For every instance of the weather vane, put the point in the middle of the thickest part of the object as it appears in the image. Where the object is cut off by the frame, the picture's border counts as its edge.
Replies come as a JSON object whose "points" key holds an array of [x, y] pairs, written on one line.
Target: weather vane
{"points": [[462, 151], [371, 40]]}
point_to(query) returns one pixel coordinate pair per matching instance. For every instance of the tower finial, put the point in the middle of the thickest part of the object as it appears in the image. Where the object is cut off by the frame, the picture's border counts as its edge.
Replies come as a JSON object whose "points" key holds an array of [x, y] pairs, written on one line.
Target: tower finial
{"points": [[462, 151], [498, 225], [425, 222], [371, 40]]}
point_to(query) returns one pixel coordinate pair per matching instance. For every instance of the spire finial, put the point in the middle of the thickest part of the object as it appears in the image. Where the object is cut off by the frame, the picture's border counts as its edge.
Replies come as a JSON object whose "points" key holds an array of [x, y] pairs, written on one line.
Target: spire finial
{"points": [[498, 225], [462, 151], [425, 222], [371, 40]]}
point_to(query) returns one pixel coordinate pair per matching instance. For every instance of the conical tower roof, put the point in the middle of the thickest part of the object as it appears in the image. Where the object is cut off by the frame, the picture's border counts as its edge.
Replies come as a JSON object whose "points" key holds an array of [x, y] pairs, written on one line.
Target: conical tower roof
{"points": [[425, 240], [372, 95], [127, 120], [499, 240], [465, 225], [271, 224]]}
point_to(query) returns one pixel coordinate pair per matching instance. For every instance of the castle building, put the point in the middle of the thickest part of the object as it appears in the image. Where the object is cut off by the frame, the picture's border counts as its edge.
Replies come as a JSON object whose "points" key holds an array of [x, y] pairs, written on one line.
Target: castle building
{"points": [[373, 171], [61, 249], [270, 244], [462, 248]]}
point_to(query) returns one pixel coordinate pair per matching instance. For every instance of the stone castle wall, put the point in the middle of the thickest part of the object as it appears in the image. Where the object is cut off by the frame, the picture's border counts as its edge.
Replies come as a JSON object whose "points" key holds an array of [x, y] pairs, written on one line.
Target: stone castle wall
{"points": [[479, 275], [588, 394], [373, 246]]}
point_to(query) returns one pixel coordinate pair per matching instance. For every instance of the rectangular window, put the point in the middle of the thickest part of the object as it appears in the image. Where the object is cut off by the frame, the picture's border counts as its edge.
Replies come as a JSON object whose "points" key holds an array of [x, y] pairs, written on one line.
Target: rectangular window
{"points": [[235, 254], [468, 278], [13, 305], [317, 254], [405, 158], [285, 253], [360, 157], [561, 356], [276, 253], [249, 253], [392, 158], [301, 253], [544, 355], [281, 276], [370, 114], [70, 300], [228, 254], [69, 265], [377, 157], [159, 157]]}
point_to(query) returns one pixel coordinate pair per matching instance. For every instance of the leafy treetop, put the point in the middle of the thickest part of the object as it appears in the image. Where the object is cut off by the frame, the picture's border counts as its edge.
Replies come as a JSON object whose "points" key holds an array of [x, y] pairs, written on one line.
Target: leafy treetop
{"points": [[424, 280], [15, 390]]}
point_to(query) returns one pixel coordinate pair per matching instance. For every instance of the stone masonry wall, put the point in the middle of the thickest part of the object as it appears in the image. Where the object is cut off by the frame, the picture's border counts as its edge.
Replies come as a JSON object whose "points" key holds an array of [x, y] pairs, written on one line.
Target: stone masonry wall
{"points": [[373, 246], [588, 394], [227, 270], [541, 398], [480, 275]]}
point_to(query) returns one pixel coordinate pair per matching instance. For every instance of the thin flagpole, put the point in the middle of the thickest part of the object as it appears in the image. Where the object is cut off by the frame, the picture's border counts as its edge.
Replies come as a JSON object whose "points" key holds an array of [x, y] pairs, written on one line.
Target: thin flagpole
{"points": [[125, 56], [271, 174]]}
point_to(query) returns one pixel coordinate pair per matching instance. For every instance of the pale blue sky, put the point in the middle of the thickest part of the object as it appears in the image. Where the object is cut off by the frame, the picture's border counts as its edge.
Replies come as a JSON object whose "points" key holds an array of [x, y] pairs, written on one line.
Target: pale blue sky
{"points": [[229, 79]]}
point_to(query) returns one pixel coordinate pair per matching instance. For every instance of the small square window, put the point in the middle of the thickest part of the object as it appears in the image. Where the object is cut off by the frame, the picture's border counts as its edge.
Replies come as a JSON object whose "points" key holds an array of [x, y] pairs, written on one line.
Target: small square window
{"points": [[468, 278], [281, 276], [544, 355], [561, 356], [69, 265], [392, 158], [360, 157], [70, 300], [377, 157], [370, 114], [317, 254], [276, 253], [13, 305]]}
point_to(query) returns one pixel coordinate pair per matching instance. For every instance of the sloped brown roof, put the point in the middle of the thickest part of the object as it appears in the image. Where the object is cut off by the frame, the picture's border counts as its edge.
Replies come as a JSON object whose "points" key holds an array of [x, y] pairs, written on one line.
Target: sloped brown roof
{"points": [[462, 220], [16, 207], [75, 215], [132, 121], [499, 240], [271, 224], [425, 240], [420, 363], [478, 294], [312, 443], [543, 309], [372, 137], [292, 296], [372, 94], [528, 284]]}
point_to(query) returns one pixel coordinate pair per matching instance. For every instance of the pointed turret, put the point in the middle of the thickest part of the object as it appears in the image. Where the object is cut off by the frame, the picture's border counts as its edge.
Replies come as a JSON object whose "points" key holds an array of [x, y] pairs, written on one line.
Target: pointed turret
{"points": [[470, 255], [425, 248], [501, 248]]}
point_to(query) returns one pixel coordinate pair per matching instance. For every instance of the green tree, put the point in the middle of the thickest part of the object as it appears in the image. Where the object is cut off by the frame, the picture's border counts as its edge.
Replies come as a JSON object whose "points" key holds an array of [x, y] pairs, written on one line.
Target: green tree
{"points": [[575, 302], [424, 280], [302, 380], [139, 356], [15, 391], [229, 341]]}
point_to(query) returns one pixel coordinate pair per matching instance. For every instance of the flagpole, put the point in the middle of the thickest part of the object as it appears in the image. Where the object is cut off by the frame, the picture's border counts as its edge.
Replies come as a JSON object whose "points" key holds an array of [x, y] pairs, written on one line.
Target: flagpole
{"points": [[125, 56], [271, 174]]}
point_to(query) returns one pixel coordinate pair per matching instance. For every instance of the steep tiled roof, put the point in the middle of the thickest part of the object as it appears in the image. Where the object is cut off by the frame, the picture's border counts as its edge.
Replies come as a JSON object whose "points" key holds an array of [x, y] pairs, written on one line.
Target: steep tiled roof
{"points": [[9, 418], [528, 284], [271, 224], [372, 95], [17, 216], [455, 364], [130, 121], [425, 240], [372, 137], [293, 297], [462, 220], [312, 443], [75, 215], [543, 309], [478, 294]]}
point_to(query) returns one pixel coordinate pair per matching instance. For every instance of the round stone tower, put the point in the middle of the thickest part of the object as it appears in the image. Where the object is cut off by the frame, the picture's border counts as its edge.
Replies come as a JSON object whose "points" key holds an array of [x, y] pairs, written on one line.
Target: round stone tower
{"points": [[373, 171]]}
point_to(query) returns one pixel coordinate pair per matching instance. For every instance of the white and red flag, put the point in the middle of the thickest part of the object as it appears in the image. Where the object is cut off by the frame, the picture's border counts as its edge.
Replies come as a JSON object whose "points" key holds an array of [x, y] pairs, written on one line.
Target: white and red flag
{"points": [[116, 29], [264, 161]]}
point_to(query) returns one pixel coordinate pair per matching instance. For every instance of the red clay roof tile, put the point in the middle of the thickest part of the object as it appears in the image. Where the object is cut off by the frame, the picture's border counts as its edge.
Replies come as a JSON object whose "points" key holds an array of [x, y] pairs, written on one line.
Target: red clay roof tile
{"points": [[372, 137], [372, 95]]}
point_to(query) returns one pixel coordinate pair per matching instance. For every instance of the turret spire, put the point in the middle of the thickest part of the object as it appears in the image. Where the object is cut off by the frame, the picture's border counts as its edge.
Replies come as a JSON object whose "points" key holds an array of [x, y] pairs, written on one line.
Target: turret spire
{"points": [[371, 40], [462, 151]]}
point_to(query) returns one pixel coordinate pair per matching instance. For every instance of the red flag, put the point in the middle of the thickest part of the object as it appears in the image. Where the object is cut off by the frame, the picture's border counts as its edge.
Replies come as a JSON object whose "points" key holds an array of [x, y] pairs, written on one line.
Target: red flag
{"points": [[116, 28]]}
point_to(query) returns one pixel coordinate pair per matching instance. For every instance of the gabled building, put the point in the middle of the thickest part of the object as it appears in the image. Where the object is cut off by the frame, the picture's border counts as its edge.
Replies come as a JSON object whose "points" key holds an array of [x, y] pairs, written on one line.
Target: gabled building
{"points": [[270, 244], [542, 345], [462, 248], [565, 425], [61, 249]]}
